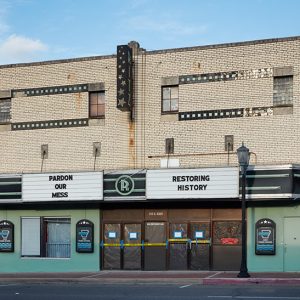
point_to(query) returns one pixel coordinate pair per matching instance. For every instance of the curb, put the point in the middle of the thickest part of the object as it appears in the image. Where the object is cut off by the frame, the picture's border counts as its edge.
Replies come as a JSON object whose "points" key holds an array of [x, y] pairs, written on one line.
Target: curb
{"points": [[263, 281], [136, 280]]}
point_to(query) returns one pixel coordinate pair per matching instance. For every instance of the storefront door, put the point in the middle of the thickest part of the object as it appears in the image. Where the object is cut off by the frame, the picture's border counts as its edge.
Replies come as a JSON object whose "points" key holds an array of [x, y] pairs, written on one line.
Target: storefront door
{"points": [[132, 246], [200, 246], [226, 247], [178, 245], [122, 246], [112, 249], [291, 244], [154, 253]]}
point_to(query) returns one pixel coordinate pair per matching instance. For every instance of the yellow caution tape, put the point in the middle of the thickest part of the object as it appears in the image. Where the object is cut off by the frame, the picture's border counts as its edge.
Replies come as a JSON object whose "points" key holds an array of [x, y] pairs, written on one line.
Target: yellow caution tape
{"points": [[178, 240], [135, 245], [200, 242], [159, 244], [154, 244]]}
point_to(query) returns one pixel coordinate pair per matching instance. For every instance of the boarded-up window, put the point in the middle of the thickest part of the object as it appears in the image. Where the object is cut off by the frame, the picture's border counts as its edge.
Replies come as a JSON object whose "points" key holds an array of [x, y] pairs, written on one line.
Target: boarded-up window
{"points": [[227, 232], [283, 90], [31, 237]]}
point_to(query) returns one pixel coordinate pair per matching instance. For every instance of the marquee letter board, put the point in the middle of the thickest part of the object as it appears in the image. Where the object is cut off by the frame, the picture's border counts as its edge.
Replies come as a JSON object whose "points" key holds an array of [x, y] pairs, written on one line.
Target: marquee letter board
{"points": [[10, 189], [84, 236], [6, 236], [265, 237], [124, 73]]}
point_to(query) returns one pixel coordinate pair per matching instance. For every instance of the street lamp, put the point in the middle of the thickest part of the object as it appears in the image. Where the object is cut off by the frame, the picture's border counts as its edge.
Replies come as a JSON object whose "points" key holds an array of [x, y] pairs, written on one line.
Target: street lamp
{"points": [[243, 157]]}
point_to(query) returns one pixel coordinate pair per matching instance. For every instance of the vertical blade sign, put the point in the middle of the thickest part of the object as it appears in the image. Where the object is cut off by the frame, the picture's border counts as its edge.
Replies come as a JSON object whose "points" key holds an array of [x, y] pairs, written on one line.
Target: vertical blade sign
{"points": [[124, 74]]}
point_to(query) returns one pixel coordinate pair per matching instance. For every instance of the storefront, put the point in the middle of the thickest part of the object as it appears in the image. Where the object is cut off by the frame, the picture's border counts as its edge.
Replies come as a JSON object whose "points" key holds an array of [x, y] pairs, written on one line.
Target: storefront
{"points": [[274, 218], [186, 219], [50, 222], [167, 219]]}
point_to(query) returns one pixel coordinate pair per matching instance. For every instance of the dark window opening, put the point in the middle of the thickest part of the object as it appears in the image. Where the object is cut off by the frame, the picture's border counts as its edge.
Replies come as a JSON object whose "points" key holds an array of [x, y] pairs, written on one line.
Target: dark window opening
{"points": [[97, 104], [170, 146], [5, 111], [283, 91]]}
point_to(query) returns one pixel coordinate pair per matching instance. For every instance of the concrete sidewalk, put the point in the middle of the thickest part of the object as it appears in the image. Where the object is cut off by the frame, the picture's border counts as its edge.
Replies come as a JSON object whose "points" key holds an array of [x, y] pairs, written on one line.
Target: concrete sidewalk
{"points": [[162, 277]]}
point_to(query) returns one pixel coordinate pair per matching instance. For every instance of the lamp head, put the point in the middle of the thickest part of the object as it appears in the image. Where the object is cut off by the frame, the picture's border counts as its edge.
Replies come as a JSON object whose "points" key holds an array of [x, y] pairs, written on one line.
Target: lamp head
{"points": [[243, 155]]}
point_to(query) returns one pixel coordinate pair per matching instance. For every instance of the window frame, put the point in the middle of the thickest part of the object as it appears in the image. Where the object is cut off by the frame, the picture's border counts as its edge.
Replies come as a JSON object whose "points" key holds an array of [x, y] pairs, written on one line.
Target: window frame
{"points": [[102, 116], [7, 120], [43, 236], [163, 112], [276, 102]]}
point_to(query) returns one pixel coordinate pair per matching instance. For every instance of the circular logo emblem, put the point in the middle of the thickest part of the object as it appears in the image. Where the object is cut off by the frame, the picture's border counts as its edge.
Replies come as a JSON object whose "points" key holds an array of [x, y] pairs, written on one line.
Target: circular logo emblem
{"points": [[124, 185]]}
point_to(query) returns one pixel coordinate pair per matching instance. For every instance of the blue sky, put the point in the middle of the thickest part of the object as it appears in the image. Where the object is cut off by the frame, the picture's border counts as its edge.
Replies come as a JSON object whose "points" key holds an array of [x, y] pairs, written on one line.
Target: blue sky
{"points": [[38, 30]]}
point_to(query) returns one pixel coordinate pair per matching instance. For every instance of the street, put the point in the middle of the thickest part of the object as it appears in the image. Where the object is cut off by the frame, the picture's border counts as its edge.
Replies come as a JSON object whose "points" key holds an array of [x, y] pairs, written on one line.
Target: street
{"points": [[151, 291]]}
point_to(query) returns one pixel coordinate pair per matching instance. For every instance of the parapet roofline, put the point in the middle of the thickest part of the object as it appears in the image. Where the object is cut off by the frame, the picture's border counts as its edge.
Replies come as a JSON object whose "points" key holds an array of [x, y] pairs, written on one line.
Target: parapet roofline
{"points": [[224, 45], [153, 52]]}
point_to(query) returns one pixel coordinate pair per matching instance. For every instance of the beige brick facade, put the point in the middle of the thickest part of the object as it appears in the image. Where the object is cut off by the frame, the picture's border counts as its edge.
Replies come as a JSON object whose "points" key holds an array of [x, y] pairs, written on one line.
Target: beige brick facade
{"points": [[273, 138]]}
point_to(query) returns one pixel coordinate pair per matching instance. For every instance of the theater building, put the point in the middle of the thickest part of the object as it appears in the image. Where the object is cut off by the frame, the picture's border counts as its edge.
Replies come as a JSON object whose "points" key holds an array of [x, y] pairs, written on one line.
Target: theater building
{"points": [[128, 161]]}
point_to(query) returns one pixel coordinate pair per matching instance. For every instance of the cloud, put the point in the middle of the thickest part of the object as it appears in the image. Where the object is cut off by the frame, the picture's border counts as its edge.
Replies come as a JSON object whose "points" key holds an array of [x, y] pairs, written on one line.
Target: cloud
{"points": [[20, 49]]}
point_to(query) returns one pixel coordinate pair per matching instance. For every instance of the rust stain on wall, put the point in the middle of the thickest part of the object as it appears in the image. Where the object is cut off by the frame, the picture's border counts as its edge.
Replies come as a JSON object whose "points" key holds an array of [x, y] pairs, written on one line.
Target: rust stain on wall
{"points": [[131, 145], [78, 98]]}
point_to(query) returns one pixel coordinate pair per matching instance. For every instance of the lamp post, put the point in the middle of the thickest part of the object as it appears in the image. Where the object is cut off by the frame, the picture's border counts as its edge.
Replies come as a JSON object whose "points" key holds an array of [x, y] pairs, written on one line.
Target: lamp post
{"points": [[243, 157]]}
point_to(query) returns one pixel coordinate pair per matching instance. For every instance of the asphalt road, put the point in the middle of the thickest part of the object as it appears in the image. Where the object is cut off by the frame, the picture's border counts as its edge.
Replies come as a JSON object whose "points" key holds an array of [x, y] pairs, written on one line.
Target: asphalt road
{"points": [[86, 291]]}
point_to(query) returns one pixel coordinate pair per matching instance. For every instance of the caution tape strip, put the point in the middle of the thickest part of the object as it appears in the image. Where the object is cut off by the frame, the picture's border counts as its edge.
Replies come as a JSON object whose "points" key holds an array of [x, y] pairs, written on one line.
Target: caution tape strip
{"points": [[155, 244], [135, 245]]}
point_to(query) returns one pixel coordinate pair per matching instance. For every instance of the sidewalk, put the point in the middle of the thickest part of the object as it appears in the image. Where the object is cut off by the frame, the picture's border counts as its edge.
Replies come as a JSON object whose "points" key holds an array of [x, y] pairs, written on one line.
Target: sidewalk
{"points": [[162, 277]]}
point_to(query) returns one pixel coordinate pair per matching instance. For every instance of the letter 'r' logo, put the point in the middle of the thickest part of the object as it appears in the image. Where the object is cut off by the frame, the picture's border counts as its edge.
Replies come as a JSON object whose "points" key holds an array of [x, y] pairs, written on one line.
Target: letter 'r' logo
{"points": [[124, 185]]}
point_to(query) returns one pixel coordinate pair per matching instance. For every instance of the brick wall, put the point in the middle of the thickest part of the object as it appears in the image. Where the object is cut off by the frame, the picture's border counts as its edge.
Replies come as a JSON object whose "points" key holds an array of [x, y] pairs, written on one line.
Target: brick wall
{"points": [[273, 138], [141, 144], [69, 148]]}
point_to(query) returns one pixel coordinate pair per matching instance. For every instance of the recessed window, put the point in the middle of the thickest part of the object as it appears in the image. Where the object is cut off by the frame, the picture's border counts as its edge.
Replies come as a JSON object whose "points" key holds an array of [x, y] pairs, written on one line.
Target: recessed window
{"points": [[169, 146], [97, 104], [5, 109], [46, 237], [283, 91], [228, 143], [170, 99]]}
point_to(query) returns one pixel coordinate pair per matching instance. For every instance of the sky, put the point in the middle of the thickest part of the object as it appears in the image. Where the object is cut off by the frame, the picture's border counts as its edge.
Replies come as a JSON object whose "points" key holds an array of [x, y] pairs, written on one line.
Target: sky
{"points": [[41, 30]]}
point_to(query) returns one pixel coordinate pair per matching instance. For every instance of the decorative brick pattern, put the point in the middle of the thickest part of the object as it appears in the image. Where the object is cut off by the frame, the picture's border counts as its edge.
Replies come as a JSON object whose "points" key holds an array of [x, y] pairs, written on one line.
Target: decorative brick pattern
{"points": [[78, 88], [225, 76], [225, 113], [50, 124], [211, 114]]}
